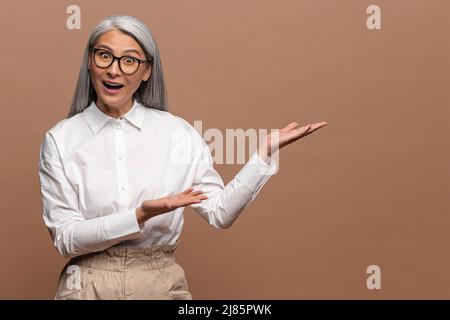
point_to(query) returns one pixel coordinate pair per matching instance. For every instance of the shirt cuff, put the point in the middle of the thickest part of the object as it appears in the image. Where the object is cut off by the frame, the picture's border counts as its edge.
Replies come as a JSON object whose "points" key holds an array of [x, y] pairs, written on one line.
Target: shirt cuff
{"points": [[123, 225], [256, 172]]}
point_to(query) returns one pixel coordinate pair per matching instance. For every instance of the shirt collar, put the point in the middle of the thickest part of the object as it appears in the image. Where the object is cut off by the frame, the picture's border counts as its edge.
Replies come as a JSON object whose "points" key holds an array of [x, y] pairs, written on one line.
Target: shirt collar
{"points": [[97, 119]]}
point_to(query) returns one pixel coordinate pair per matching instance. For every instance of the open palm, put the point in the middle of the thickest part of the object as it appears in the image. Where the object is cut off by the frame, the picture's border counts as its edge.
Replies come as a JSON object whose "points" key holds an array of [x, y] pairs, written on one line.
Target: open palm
{"points": [[286, 136], [170, 203]]}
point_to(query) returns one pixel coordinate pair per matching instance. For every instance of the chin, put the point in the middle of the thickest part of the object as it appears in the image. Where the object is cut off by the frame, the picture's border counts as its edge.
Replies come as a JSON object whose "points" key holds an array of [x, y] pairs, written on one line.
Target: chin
{"points": [[110, 100]]}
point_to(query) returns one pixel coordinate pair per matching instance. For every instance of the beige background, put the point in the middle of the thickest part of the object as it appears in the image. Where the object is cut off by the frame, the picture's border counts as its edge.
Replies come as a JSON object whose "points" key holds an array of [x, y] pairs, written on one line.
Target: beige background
{"points": [[371, 188]]}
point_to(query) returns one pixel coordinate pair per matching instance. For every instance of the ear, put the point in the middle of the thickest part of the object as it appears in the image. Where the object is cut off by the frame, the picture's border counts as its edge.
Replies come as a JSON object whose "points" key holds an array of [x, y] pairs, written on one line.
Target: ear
{"points": [[147, 73]]}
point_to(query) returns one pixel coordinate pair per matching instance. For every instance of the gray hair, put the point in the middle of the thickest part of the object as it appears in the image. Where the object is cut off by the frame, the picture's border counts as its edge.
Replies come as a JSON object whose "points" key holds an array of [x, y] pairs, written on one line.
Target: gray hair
{"points": [[151, 93]]}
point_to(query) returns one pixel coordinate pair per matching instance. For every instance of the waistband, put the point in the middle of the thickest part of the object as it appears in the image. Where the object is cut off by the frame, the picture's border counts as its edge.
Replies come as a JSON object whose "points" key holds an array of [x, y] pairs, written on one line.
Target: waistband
{"points": [[123, 250], [120, 257]]}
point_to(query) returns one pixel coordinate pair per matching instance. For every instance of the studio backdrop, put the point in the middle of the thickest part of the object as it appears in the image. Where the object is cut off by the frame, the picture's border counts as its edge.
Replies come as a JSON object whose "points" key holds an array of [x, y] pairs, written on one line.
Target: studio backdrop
{"points": [[358, 210]]}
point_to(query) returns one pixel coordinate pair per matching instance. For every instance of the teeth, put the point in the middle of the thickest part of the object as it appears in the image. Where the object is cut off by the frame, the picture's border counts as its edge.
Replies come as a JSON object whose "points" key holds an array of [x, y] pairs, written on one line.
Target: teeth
{"points": [[113, 84]]}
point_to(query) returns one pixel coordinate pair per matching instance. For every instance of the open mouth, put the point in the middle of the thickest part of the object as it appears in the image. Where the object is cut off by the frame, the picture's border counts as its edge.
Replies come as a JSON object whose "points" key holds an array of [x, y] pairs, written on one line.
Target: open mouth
{"points": [[112, 86]]}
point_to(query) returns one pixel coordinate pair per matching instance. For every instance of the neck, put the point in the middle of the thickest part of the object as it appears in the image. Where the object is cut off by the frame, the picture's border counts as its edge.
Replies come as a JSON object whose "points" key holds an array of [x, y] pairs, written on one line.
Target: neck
{"points": [[114, 111]]}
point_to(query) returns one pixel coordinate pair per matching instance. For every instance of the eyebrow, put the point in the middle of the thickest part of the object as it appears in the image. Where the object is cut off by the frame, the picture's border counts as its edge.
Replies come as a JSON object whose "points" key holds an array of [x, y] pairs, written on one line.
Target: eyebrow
{"points": [[127, 50]]}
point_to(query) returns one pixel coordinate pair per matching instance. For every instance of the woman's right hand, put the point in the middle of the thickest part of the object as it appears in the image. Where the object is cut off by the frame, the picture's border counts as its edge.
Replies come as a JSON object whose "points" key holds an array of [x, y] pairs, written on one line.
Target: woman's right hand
{"points": [[155, 207]]}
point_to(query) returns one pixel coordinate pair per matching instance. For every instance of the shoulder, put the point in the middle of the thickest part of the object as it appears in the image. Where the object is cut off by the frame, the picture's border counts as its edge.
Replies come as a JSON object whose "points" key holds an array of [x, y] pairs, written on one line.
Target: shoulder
{"points": [[66, 126], [61, 135], [167, 117], [177, 125], [182, 134]]}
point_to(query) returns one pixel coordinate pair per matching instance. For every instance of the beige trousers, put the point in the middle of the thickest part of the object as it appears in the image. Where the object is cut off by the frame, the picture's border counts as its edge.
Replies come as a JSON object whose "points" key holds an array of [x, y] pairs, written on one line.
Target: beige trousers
{"points": [[124, 273]]}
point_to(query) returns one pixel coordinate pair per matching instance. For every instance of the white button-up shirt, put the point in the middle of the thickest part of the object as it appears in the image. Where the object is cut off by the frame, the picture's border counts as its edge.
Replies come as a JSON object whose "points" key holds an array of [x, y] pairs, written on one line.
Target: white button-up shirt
{"points": [[95, 170]]}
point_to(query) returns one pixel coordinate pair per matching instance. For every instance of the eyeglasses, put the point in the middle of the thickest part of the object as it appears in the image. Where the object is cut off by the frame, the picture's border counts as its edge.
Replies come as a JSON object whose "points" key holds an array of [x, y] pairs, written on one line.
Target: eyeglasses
{"points": [[127, 64]]}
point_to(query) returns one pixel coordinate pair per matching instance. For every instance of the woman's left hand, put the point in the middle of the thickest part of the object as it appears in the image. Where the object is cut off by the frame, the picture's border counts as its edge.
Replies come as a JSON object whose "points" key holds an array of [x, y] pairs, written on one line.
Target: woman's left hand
{"points": [[286, 136]]}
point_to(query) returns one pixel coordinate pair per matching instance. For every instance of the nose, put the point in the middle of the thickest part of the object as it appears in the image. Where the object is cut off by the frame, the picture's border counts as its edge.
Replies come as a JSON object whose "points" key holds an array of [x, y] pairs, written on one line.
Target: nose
{"points": [[114, 68]]}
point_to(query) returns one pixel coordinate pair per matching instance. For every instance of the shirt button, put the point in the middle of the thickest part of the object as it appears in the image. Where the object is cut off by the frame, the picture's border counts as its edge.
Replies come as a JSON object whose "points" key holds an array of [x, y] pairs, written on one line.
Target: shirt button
{"points": [[123, 188], [120, 157]]}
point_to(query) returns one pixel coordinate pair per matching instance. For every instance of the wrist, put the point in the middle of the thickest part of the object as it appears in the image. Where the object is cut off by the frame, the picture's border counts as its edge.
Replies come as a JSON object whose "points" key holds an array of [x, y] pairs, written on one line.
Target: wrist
{"points": [[141, 215], [264, 152], [264, 156]]}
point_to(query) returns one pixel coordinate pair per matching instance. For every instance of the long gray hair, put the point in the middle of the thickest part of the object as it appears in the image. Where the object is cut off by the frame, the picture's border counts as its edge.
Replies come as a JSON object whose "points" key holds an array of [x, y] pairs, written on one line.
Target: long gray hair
{"points": [[151, 93]]}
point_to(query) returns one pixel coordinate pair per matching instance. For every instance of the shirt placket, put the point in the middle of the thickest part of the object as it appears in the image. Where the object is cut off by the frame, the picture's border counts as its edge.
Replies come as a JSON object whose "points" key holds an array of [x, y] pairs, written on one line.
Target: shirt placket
{"points": [[121, 168]]}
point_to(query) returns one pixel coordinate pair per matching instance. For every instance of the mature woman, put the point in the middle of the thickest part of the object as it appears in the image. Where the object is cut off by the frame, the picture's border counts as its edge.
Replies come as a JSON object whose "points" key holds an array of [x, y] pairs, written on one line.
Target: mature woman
{"points": [[113, 192]]}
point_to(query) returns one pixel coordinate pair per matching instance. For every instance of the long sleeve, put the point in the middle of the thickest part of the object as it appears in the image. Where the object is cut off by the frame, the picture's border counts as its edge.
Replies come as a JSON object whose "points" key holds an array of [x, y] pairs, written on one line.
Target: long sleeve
{"points": [[71, 232], [225, 203]]}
